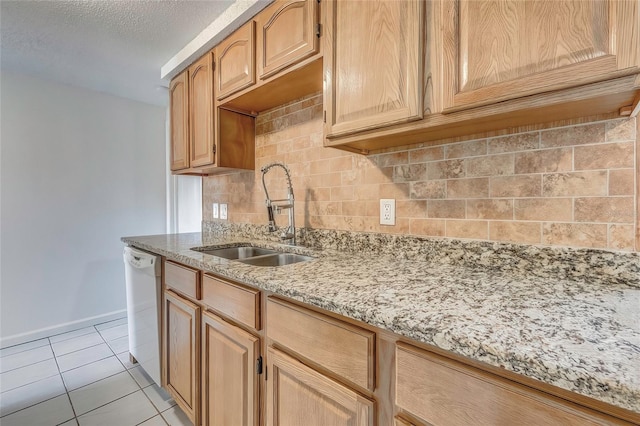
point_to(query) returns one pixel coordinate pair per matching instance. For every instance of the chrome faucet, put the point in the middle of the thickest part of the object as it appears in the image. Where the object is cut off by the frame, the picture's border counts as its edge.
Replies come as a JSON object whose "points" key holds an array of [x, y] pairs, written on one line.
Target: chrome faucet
{"points": [[288, 234]]}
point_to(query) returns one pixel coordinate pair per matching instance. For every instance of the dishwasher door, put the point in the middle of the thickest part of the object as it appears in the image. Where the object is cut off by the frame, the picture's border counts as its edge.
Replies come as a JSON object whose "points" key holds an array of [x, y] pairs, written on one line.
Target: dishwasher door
{"points": [[143, 271]]}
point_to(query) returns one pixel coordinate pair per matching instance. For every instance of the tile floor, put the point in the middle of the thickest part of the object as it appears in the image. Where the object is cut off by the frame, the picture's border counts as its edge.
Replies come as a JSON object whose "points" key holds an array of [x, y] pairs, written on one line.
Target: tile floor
{"points": [[84, 378]]}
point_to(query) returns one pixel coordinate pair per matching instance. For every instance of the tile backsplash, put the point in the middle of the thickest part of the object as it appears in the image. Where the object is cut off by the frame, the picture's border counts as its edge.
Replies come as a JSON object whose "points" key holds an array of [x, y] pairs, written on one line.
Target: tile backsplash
{"points": [[571, 186]]}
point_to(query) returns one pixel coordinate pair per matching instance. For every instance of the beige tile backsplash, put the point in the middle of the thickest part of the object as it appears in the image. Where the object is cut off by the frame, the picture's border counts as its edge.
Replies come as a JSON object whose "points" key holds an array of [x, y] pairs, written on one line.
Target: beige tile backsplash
{"points": [[572, 186]]}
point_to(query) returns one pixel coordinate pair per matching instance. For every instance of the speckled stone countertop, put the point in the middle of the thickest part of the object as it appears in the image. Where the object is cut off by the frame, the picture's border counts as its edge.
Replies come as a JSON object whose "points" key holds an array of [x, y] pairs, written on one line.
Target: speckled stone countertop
{"points": [[578, 334]]}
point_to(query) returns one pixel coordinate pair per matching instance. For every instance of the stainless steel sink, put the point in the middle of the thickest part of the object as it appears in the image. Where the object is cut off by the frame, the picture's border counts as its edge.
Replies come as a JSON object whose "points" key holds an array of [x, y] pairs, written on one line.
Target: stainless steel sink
{"points": [[233, 253], [279, 259]]}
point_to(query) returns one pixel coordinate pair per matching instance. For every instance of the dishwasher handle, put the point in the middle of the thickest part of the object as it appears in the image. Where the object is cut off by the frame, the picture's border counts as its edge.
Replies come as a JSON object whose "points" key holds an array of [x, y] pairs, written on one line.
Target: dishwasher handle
{"points": [[138, 259]]}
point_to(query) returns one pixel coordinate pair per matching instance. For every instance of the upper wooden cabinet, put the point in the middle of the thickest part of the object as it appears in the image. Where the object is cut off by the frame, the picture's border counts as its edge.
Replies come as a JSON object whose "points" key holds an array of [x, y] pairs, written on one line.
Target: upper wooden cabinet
{"points": [[505, 49], [236, 61], [483, 68], [287, 33], [179, 121], [288, 58], [374, 73], [201, 134], [205, 139]]}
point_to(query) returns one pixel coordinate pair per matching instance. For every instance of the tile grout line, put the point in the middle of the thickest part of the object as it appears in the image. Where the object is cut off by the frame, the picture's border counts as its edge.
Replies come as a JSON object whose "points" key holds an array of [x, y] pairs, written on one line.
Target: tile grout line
{"points": [[75, 417], [104, 378], [67, 391], [48, 399]]}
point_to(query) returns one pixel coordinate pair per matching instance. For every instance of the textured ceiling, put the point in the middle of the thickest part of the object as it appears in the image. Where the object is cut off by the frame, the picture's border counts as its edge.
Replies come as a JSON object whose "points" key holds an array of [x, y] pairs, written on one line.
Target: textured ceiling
{"points": [[111, 46]]}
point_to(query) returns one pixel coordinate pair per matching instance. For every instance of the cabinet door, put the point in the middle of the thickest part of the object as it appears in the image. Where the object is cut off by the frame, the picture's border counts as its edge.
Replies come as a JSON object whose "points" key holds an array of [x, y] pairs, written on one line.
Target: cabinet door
{"points": [[373, 64], [298, 395], [236, 61], [229, 381], [287, 34], [201, 143], [179, 121], [181, 334], [505, 49]]}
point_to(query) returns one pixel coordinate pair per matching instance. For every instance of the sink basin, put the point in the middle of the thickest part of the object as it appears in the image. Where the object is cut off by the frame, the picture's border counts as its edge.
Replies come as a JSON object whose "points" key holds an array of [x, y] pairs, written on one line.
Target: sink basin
{"points": [[279, 259], [233, 253]]}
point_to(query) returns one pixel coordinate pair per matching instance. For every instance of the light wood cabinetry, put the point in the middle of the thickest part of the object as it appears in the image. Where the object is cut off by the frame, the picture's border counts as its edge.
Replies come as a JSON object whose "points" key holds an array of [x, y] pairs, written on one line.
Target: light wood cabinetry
{"points": [[501, 50], [486, 68], [287, 33], [183, 279], [288, 56], [201, 134], [236, 61], [443, 392], [297, 391], [374, 73], [298, 395], [325, 369], [181, 348], [209, 362], [341, 348], [234, 300], [230, 385], [206, 140], [179, 121]]}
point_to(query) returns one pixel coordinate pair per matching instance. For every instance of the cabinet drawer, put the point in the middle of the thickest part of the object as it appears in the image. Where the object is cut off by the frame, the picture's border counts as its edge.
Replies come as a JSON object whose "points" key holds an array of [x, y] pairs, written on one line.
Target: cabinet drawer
{"points": [[339, 347], [182, 278], [240, 303], [445, 392]]}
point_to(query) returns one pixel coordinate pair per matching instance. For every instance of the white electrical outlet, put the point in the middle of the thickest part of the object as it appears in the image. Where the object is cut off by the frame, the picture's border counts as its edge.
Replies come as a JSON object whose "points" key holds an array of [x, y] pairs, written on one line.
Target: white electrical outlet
{"points": [[387, 211], [223, 211], [215, 211]]}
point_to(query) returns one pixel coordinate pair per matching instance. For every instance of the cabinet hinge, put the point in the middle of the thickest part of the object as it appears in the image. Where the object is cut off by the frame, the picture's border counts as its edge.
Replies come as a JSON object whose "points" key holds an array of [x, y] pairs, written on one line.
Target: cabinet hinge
{"points": [[324, 116], [214, 148], [259, 365], [318, 30]]}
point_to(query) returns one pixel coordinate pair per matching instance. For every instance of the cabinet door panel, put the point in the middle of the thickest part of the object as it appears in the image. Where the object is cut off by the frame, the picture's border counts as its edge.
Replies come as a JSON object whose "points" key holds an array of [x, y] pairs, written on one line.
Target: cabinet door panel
{"points": [[179, 121], [512, 48], [236, 61], [286, 35], [201, 111], [181, 334], [374, 66], [229, 381], [298, 395]]}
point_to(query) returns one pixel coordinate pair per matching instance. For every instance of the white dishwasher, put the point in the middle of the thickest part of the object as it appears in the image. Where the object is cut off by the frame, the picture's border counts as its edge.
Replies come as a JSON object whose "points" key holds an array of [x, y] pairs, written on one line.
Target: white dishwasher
{"points": [[142, 273]]}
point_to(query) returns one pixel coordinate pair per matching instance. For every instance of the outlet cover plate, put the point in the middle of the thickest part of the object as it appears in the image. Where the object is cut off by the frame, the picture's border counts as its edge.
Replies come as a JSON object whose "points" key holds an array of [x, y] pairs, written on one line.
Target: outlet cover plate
{"points": [[215, 210], [223, 211], [387, 211]]}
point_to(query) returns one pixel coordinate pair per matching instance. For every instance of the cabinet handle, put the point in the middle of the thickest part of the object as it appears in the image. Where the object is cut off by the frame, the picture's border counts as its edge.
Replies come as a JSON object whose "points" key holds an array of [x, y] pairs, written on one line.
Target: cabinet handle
{"points": [[259, 365]]}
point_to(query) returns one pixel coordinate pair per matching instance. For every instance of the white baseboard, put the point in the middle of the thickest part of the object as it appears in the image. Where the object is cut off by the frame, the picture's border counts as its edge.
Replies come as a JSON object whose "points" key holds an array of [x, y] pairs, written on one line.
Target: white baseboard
{"points": [[16, 339]]}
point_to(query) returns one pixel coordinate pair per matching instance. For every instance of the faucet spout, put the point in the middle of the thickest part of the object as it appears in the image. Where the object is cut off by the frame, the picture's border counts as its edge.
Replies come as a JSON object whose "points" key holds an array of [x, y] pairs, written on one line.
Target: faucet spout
{"points": [[272, 222], [290, 232]]}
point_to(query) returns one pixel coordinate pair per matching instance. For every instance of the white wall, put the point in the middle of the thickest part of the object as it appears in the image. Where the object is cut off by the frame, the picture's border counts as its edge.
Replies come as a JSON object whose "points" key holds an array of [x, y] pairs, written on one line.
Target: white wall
{"points": [[78, 170]]}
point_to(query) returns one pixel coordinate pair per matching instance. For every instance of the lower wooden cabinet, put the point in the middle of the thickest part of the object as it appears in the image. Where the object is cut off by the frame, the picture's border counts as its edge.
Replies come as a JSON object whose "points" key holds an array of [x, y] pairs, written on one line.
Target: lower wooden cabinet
{"points": [[181, 336], [230, 384], [443, 392], [298, 395], [323, 369]]}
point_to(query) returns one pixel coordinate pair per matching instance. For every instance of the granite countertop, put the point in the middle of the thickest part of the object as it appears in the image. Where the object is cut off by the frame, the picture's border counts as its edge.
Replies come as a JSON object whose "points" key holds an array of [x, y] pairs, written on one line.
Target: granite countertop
{"points": [[579, 335]]}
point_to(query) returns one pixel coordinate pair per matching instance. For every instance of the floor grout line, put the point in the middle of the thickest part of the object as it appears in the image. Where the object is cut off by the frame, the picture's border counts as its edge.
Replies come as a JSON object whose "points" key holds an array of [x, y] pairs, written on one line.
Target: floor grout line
{"points": [[139, 386]]}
